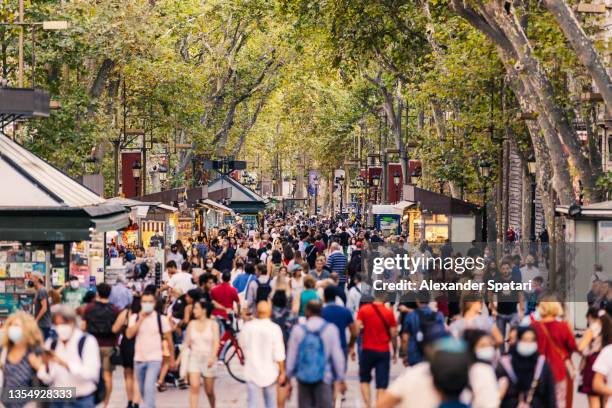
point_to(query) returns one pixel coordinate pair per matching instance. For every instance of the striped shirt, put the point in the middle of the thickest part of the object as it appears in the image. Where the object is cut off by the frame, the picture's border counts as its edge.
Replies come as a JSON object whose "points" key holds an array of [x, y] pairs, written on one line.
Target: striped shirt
{"points": [[17, 376], [336, 262]]}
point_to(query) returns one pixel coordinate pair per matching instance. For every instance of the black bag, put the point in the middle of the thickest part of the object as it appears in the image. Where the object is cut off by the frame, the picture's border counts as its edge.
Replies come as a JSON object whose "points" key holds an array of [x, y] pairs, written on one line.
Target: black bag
{"points": [[263, 291], [100, 319], [100, 391], [115, 358], [428, 326], [178, 308]]}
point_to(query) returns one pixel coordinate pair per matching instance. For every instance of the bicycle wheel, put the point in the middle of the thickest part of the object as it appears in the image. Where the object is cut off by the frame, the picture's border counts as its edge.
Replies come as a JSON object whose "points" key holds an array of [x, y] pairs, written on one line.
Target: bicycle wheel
{"points": [[234, 362]]}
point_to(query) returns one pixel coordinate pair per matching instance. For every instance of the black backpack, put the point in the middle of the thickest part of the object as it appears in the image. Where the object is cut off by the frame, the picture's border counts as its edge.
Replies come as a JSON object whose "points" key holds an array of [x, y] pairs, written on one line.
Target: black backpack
{"points": [[100, 319], [263, 290], [100, 391], [428, 327]]}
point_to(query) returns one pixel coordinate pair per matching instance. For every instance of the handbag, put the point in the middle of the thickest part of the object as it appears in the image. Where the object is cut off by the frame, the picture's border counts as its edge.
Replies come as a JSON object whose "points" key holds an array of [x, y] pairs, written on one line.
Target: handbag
{"points": [[524, 400], [116, 358]]}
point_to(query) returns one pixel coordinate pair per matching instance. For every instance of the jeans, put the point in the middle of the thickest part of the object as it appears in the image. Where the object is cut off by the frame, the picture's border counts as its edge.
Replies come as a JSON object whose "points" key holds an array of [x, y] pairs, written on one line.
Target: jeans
{"points": [[146, 373], [505, 319], [83, 402], [254, 393], [319, 395]]}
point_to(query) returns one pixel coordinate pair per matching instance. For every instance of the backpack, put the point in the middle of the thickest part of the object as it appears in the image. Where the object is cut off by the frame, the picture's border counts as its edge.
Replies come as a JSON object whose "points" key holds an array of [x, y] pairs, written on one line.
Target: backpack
{"points": [[100, 391], [428, 326], [310, 365], [178, 308], [263, 290], [100, 319], [311, 255]]}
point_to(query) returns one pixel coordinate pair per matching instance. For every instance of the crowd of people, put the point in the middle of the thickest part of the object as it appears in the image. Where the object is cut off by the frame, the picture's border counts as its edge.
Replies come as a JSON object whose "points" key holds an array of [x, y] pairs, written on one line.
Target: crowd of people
{"points": [[300, 290]]}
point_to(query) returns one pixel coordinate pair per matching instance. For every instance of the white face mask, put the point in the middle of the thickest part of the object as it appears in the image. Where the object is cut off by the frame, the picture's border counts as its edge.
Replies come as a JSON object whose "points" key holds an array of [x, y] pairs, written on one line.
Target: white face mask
{"points": [[74, 284], [209, 265], [147, 307], [595, 328], [526, 349], [15, 334], [64, 331], [486, 353]]}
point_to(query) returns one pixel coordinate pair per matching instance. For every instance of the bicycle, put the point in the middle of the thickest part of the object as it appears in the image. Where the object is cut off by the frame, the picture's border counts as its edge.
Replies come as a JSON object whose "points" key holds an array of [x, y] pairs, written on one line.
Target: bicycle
{"points": [[229, 350]]}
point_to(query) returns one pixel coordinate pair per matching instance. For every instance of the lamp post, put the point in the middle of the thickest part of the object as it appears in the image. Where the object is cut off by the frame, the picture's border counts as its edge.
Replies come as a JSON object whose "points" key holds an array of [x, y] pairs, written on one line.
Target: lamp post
{"points": [[531, 166], [136, 171], [375, 184], [316, 184], [396, 183], [340, 182], [484, 169], [415, 176], [274, 185], [163, 174]]}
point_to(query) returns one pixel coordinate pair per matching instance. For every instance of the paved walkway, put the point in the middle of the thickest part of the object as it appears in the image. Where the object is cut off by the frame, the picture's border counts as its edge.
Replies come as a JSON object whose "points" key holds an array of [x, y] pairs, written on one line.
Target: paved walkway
{"points": [[232, 394]]}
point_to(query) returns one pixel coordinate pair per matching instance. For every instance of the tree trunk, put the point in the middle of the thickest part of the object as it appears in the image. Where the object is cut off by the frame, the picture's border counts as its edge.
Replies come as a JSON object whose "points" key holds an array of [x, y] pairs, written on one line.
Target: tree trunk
{"points": [[583, 47]]}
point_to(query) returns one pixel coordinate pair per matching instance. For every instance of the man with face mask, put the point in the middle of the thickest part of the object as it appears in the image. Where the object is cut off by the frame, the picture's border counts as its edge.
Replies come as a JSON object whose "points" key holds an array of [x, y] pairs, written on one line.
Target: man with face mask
{"points": [[149, 328], [73, 293], [74, 360]]}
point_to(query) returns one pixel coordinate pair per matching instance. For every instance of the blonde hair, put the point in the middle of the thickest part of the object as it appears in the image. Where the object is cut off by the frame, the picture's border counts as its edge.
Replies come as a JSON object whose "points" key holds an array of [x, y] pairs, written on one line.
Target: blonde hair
{"points": [[31, 333], [550, 307]]}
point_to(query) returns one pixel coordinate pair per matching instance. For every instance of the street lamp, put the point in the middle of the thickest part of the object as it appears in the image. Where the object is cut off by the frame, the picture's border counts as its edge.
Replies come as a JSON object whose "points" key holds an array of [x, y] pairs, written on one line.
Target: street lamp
{"points": [[136, 171], [315, 181], [340, 182], [531, 167], [484, 169], [396, 183], [415, 176], [375, 184]]}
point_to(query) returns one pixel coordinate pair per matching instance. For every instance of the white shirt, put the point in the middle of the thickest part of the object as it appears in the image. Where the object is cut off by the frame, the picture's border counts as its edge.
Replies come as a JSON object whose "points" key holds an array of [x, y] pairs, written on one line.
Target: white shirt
{"points": [[415, 387], [603, 365], [84, 370], [177, 258], [262, 343], [353, 299], [182, 281], [527, 274]]}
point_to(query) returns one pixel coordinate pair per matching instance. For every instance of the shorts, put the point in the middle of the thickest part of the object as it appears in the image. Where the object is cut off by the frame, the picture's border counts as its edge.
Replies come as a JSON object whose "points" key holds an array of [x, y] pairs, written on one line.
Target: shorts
{"points": [[105, 353], [199, 364], [378, 360]]}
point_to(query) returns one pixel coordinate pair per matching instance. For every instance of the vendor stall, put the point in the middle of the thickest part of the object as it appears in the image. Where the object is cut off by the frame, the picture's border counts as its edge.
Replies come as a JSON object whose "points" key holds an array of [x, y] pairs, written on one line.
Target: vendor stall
{"points": [[42, 212], [242, 200], [435, 217]]}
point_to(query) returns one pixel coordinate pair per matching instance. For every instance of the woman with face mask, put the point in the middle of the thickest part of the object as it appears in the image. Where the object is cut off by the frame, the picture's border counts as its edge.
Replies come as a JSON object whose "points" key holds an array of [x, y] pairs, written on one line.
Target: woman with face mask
{"points": [[590, 346], [474, 316], [524, 376], [483, 354], [20, 357]]}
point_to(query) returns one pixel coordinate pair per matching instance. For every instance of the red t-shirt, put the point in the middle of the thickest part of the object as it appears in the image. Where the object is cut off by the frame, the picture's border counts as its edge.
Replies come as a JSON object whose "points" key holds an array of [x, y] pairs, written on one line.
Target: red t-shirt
{"points": [[224, 294], [375, 337]]}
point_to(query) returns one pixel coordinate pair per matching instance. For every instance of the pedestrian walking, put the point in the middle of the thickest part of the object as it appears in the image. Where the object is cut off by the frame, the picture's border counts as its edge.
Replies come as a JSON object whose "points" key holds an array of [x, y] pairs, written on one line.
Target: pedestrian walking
{"points": [[258, 289], [418, 325], [379, 328], [507, 306], [120, 296], [590, 346], [336, 262], [315, 359], [149, 328], [602, 367], [556, 342], [74, 362], [308, 294], [20, 355], [341, 317], [72, 293], [201, 343], [98, 320], [126, 350], [264, 358], [472, 317], [524, 375], [42, 308]]}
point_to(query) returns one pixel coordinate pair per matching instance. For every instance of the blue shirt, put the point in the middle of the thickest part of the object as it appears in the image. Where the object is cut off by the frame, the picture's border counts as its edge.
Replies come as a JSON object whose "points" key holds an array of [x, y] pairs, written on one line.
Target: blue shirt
{"points": [[516, 274], [120, 296], [341, 317], [202, 249], [242, 280], [412, 326]]}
